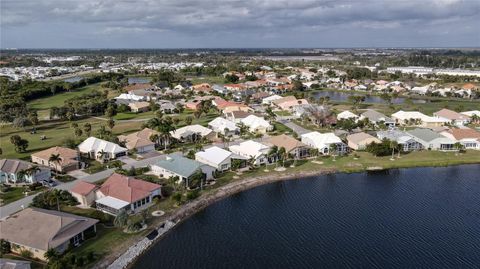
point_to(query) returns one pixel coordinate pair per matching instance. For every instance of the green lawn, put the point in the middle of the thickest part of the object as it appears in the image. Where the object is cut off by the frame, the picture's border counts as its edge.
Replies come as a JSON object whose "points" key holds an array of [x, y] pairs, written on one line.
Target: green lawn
{"points": [[14, 194], [281, 129], [56, 132], [283, 113], [59, 99], [133, 115], [207, 79]]}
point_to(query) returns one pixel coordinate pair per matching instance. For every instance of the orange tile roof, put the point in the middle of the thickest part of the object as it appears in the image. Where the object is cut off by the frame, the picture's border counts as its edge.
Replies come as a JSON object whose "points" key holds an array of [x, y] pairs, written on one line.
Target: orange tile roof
{"points": [[464, 133], [67, 155], [83, 187], [127, 189]]}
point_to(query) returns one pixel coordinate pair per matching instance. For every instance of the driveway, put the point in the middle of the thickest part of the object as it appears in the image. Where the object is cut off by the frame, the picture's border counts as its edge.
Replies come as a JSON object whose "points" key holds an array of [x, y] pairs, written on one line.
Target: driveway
{"points": [[295, 127], [127, 160]]}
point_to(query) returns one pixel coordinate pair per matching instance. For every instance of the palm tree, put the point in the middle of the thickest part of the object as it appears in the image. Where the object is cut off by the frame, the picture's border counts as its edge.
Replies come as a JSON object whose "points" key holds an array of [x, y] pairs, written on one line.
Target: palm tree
{"points": [[101, 155], [272, 153], [393, 146], [332, 150], [251, 162], [55, 159], [29, 172], [282, 153], [313, 152]]}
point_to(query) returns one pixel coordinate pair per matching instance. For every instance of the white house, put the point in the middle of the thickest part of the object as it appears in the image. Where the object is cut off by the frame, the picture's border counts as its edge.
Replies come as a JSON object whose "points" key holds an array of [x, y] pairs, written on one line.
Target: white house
{"points": [[192, 133], [344, 115], [256, 124], [417, 118], [223, 126], [270, 99], [322, 142], [468, 137], [100, 149], [218, 158], [131, 97], [452, 117], [16, 172], [251, 149]]}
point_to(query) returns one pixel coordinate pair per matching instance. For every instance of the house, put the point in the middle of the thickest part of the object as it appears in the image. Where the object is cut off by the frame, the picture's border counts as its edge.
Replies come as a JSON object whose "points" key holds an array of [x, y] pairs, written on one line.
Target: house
{"points": [[408, 142], [417, 118], [256, 124], [121, 192], [38, 230], [237, 116], [140, 86], [191, 133], [100, 149], [359, 141], [84, 192], [288, 105], [453, 117], [203, 87], [432, 140], [14, 264], [376, 118], [270, 99], [218, 158], [344, 115], [183, 168], [252, 150], [14, 171], [324, 141], [69, 159], [291, 145], [223, 126], [166, 106], [126, 98], [468, 137], [472, 114], [138, 107], [288, 98], [140, 141]]}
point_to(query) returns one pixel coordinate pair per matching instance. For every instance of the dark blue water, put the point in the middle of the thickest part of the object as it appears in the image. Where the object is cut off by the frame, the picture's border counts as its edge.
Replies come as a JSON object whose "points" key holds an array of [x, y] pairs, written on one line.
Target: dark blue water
{"points": [[408, 218], [371, 99]]}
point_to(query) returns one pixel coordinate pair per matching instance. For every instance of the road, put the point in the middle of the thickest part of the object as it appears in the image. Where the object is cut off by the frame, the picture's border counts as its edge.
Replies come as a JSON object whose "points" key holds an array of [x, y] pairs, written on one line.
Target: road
{"points": [[13, 207]]}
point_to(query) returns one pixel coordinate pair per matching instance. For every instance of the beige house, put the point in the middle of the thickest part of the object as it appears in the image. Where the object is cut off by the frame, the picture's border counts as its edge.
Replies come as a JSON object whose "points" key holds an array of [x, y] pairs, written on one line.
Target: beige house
{"points": [[359, 141], [38, 230], [292, 146], [139, 106], [69, 159], [84, 192], [140, 141]]}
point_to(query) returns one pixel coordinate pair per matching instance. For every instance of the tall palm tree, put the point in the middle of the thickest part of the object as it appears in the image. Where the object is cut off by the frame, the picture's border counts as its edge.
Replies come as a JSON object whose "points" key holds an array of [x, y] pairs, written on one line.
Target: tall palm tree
{"points": [[55, 159], [393, 146], [332, 150], [29, 172], [272, 153], [282, 153]]}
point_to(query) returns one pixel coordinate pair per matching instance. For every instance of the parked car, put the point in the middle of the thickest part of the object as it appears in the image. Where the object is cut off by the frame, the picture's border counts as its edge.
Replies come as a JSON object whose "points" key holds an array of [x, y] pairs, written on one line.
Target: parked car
{"points": [[49, 183]]}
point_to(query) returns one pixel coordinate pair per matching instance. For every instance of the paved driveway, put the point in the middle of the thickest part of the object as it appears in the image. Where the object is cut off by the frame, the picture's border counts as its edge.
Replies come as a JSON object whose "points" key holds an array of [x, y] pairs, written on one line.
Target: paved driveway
{"points": [[295, 127]]}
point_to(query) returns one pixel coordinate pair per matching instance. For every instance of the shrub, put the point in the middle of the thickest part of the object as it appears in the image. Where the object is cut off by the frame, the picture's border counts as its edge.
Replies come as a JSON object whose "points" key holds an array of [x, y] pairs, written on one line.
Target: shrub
{"points": [[193, 194], [26, 253], [177, 197], [4, 247]]}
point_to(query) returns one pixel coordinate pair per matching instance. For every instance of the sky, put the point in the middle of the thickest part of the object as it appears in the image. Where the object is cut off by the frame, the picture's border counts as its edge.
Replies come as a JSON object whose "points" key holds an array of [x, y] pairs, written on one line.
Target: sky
{"points": [[238, 23]]}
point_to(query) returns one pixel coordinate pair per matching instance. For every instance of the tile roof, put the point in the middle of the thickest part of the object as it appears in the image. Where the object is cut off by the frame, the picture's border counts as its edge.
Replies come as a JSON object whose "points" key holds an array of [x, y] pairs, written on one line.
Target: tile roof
{"points": [[127, 189], [285, 141], [13, 166], [43, 229], [67, 155], [83, 187]]}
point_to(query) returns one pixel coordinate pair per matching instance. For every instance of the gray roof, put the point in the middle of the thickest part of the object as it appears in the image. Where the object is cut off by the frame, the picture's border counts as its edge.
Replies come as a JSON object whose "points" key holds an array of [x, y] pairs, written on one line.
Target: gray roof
{"points": [[425, 134], [376, 116], [180, 165], [13, 166]]}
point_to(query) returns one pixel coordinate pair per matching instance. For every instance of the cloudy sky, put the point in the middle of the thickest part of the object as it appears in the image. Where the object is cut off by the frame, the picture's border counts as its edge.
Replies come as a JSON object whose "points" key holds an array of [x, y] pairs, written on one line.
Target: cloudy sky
{"points": [[239, 23]]}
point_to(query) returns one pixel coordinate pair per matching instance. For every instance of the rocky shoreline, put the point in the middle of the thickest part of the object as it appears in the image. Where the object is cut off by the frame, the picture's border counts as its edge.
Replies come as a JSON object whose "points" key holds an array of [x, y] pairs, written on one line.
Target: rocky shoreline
{"points": [[189, 209]]}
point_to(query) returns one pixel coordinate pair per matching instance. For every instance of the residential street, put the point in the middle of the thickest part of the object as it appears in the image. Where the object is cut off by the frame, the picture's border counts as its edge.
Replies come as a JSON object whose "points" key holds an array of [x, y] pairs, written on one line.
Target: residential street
{"points": [[295, 127]]}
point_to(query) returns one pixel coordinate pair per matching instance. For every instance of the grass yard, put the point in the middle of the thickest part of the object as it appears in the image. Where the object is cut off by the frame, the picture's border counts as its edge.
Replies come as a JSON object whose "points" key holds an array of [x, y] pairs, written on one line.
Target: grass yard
{"points": [[56, 132], [59, 99], [281, 129], [283, 113], [16, 193], [207, 79]]}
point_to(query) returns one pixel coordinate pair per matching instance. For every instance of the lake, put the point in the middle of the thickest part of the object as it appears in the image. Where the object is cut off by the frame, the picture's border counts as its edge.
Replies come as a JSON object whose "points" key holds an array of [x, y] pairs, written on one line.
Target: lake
{"points": [[401, 218], [136, 80], [372, 99]]}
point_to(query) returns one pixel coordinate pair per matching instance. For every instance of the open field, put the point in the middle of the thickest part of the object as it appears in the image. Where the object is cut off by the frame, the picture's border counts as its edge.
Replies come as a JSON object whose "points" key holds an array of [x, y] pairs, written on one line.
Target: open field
{"points": [[59, 98], [207, 79], [56, 132]]}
